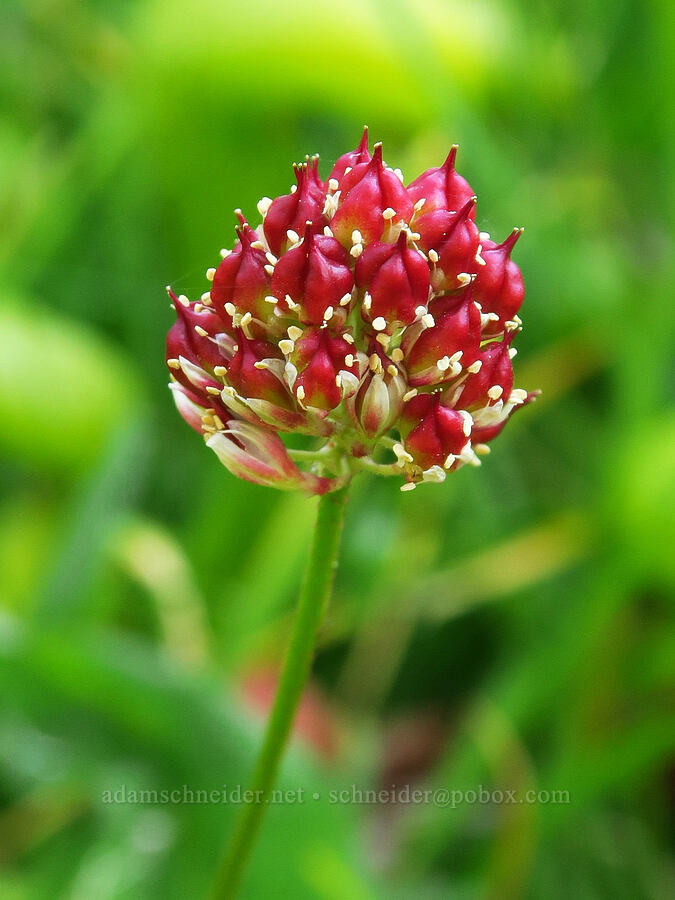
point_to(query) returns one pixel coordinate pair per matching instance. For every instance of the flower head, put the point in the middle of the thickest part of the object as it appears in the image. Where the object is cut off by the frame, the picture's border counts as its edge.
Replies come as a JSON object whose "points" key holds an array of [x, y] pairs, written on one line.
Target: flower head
{"points": [[371, 318]]}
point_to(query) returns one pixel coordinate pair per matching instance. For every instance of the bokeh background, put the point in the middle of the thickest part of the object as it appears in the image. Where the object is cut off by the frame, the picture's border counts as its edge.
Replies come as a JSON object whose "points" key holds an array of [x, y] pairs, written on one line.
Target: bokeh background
{"points": [[511, 629]]}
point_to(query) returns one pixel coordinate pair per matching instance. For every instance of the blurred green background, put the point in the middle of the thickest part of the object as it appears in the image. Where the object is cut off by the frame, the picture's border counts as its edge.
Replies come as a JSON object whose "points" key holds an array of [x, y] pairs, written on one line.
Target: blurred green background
{"points": [[511, 629]]}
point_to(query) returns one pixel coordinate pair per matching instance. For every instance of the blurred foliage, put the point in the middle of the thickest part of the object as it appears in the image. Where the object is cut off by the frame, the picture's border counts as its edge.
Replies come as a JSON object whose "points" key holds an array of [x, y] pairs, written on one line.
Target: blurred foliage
{"points": [[511, 629]]}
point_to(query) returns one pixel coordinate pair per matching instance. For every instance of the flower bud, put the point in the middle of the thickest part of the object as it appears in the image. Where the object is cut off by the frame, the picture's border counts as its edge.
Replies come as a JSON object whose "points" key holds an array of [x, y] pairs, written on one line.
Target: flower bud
{"points": [[190, 406], [316, 276], [439, 353], [442, 188], [291, 211], [455, 239], [499, 286], [192, 335], [433, 433], [259, 456], [366, 193], [241, 281], [351, 159], [255, 377], [193, 353], [397, 280], [323, 369], [379, 400]]}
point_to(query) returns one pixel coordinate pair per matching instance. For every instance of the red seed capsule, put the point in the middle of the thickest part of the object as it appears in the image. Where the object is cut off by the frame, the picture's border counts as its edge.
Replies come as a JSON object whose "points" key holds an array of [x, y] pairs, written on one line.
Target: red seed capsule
{"points": [[433, 432], [292, 211], [366, 193], [441, 188], [396, 278], [314, 276]]}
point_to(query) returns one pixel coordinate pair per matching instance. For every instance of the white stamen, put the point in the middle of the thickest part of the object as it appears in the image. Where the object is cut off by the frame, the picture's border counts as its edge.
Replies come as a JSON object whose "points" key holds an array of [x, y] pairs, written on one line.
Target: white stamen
{"points": [[349, 360], [210, 274], [183, 300], [292, 236], [495, 392], [263, 205], [388, 214], [428, 320], [512, 352], [300, 393], [408, 486], [346, 300], [464, 278], [433, 256], [224, 252], [286, 347], [272, 300], [211, 389], [269, 270], [294, 332], [449, 460], [230, 309], [379, 324], [409, 395], [173, 363], [333, 184], [420, 203], [327, 231], [271, 258], [485, 318], [393, 371], [348, 337], [475, 367], [397, 355], [401, 454], [245, 319], [220, 371], [201, 331], [467, 424], [367, 301], [356, 251], [328, 314], [356, 237]]}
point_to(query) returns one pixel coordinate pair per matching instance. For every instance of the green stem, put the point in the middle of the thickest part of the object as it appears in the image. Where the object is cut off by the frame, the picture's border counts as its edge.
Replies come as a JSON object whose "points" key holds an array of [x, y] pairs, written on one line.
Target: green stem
{"points": [[313, 600]]}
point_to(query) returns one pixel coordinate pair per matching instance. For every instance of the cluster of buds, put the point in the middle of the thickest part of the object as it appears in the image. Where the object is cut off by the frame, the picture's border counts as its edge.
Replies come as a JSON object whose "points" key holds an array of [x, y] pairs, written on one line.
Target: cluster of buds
{"points": [[372, 318]]}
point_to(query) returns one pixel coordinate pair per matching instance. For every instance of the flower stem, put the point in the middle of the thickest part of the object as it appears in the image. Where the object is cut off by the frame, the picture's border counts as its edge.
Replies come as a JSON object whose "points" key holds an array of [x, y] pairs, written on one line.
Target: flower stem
{"points": [[314, 596]]}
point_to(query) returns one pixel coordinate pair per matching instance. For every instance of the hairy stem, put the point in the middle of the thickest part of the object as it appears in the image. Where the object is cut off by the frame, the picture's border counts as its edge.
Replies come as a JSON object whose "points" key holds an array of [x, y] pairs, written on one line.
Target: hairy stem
{"points": [[314, 596]]}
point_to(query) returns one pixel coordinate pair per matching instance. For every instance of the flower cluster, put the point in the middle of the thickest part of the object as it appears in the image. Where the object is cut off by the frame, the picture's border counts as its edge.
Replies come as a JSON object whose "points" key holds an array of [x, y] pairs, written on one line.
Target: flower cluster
{"points": [[371, 317]]}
